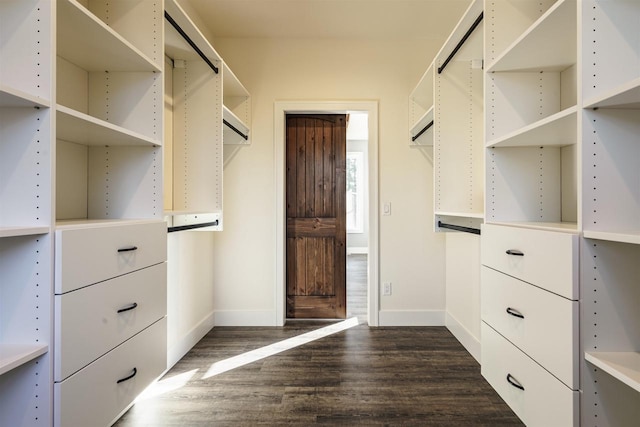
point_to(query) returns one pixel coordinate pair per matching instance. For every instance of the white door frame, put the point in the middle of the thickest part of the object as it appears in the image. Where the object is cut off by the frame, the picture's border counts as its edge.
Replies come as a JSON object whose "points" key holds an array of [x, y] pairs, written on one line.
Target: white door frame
{"points": [[281, 109]]}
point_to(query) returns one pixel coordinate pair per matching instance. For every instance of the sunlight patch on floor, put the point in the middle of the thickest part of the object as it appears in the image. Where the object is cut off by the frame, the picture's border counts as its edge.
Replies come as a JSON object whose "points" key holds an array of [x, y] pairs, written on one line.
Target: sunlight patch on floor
{"points": [[178, 381], [166, 385], [270, 350]]}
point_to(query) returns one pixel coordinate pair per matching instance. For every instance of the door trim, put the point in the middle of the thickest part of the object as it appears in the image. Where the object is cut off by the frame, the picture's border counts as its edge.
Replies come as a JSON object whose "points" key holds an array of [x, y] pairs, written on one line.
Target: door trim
{"points": [[281, 109]]}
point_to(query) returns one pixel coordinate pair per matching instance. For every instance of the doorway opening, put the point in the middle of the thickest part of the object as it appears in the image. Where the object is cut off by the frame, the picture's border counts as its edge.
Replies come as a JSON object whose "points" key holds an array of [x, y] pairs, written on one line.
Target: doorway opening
{"points": [[365, 256], [357, 210]]}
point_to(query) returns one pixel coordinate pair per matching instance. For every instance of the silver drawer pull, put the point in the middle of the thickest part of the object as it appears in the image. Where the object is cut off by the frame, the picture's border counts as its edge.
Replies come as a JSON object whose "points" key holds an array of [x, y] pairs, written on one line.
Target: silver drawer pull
{"points": [[514, 382], [515, 252], [514, 312], [129, 307], [129, 249], [133, 374]]}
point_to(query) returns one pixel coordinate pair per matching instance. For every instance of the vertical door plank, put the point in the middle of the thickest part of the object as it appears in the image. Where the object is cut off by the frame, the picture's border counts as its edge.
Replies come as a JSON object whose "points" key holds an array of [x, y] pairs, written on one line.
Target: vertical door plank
{"points": [[310, 167], [292, 170], [301, 171], [319, 169], [301, 267]]}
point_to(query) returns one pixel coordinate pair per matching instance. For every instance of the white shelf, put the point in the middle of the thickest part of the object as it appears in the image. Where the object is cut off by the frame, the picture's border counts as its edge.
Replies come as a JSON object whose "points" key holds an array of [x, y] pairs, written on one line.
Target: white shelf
{"points": [[477, 215], [626, 95], [86, 41], [422, 122], [548, 45], [556, 130], [10, 97], [231, 86], [74, 126], [72, 224], [563, 227], [229, 136], [624, 366], [13, 356], [22, 231], [612, 236], [423, 92]]}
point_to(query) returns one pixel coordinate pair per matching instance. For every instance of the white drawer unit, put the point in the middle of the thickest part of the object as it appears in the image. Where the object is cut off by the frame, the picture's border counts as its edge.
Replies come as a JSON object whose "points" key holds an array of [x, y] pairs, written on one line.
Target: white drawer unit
{"points": [[88, 255], [543, 325], [536, 396], [100, 392], [546, 259], [93, 320]]}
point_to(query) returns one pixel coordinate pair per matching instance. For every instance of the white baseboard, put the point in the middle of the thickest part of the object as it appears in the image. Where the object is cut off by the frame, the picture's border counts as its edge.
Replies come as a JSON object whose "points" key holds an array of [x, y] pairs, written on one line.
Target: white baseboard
{"points": [[411, 318], [186, 343], [357, 250], [462, 334], [245, 318]]}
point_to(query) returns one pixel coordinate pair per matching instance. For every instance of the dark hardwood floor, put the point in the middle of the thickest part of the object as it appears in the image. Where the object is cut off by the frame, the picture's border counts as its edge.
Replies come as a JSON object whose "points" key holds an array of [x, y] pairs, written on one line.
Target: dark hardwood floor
{"points": [[409, 376]]}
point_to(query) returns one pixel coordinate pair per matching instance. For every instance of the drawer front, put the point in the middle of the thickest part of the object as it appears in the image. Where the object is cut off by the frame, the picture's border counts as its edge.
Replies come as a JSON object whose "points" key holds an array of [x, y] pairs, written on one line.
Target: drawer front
{"points": [[91, 255], [93, 397], [548, 259], [544, 402], [88, 322], [548, 333]]}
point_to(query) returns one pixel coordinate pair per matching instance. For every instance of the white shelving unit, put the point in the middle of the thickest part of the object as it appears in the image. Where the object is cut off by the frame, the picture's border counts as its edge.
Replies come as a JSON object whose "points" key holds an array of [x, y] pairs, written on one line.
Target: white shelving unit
{"points": [[421, 111], [531, 114], [611, 212], [458, 137], [194, 148], [109, 113], [532, 166], [26, 244], [201, 93]]}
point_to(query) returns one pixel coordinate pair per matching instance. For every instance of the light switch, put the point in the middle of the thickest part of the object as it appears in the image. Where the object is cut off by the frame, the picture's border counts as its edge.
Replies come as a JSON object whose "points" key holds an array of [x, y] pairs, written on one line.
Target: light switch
{"points": [[386, 209]]}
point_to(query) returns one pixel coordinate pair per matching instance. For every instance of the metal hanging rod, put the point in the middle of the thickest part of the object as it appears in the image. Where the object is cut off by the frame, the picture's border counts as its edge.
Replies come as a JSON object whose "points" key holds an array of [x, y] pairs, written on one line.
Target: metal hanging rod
{"points": [[192, 226], [424, 129], [235, 129], [195, 47], [461, 42], [459, 228]]}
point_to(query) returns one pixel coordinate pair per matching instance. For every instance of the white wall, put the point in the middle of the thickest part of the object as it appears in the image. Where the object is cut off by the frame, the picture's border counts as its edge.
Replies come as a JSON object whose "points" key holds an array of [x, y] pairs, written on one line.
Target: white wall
{"points": [[411, 255], [463, 289]]}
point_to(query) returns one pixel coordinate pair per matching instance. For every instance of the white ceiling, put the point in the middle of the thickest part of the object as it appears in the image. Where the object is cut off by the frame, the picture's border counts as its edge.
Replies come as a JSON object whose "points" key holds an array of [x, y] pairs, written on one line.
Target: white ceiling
{"points": [[341, 19]]}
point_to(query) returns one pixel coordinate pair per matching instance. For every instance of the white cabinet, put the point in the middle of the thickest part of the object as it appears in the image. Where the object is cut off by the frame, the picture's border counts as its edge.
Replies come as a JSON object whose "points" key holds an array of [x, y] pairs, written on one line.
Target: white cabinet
{"points": [[610, 263], [530, 312], [26, 242], [105, 297], [115, 249], [535, 395], [103, 390], [546, 259], [538, 322]]}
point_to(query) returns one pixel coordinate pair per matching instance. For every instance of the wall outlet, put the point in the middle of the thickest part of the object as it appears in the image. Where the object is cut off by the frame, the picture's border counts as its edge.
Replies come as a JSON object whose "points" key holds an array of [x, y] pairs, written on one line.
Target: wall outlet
{"points": [[386, 289], [386, 209]]}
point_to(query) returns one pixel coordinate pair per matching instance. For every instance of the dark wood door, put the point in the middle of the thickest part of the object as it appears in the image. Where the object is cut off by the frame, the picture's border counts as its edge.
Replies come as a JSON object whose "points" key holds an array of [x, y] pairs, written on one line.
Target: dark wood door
{"points": [[316, 216]]}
